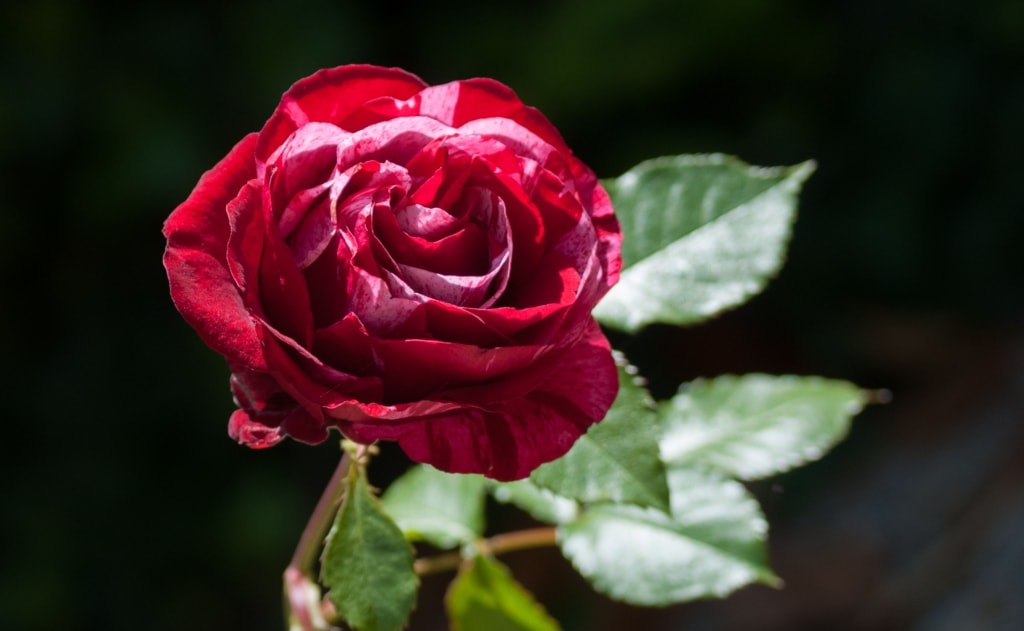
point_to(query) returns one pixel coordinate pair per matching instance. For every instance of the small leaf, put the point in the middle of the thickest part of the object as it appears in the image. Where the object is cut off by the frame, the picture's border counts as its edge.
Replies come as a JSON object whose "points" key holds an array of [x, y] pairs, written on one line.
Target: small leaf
{"points": [[711, 544], [701, 234], [367, 564], [617, 459], [446, 509], [756, 425], [485, 597], [542, 504]]}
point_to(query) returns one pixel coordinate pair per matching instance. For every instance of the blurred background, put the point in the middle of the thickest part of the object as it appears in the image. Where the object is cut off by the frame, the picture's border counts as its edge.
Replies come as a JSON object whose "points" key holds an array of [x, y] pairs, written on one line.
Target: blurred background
{"points": [[126, 506]]}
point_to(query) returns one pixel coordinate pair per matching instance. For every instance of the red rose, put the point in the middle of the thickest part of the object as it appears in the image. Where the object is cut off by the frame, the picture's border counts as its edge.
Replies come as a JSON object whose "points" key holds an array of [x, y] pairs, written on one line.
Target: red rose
{"points": [[404, 262]]}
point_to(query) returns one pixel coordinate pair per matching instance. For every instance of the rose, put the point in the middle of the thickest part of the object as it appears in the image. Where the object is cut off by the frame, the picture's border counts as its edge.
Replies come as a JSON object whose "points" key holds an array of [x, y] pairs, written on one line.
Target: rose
{"points": [[407, 263]]}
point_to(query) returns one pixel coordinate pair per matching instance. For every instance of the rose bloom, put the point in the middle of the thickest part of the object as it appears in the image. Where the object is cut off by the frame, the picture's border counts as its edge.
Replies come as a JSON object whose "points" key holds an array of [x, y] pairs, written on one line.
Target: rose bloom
{"points": [[404, 262]]}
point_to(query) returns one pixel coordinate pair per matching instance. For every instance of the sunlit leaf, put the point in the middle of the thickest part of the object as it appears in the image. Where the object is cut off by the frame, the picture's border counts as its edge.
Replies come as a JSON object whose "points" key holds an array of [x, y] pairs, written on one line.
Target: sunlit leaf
{"points": [[711, 543], [542, 504], [756, 425], [701, 234], [446, 509]]}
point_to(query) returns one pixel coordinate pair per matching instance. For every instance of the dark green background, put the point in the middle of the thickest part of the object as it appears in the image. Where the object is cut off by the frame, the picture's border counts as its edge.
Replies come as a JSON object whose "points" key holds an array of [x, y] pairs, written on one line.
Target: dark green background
{"points": [[125, 505]]}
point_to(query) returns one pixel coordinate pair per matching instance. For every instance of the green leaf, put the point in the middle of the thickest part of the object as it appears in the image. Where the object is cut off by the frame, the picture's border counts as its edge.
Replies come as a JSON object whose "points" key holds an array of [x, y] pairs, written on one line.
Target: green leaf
{"points": [[756, 425], [701, 234], [710, 544], [367, 564], [446, 509], [617, 459], [485, 597], [542, 504]]}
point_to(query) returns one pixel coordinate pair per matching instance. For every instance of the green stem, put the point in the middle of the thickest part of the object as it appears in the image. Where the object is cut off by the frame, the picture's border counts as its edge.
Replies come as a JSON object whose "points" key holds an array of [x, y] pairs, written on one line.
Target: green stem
{"points": [[498, 544], [302, 593]]}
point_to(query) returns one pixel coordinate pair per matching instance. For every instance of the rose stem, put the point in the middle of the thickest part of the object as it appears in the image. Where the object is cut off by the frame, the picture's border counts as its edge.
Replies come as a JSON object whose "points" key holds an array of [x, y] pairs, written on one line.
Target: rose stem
{"points": [[498, 544], [301, 591], [320, 521]]}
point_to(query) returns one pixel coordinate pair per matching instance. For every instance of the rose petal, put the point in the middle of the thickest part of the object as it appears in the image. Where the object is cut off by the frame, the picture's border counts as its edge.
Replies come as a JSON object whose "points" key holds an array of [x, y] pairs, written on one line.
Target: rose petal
{"points": [[346, 346], [379, 306], [463, 251], [304, 161], [511, 439], [311, 383], [327, 281], [243, 429], [283, 294], [416, 369], [201, 284], [395, 141], [459, 102], [314, 232], [330, 96], [245, 241]]}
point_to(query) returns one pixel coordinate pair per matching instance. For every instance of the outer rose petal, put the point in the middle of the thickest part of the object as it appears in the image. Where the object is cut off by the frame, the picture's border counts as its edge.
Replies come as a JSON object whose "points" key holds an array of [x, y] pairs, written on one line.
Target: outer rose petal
{"points": [[509, 440], [197, 239], [330, 96]]}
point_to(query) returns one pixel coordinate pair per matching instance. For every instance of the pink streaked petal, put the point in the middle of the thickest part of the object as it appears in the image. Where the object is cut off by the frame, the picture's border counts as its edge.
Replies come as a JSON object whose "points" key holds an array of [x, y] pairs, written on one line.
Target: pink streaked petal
{"points": [[459, 102], [330, 96], [511, 134], [609, 234], [306, 158], [427, 222], [295, 209], [524, 219], [355, 190], [371, 299], [463, 150], [467, 291], [395, 141], [201, 284], [313, 234]]}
